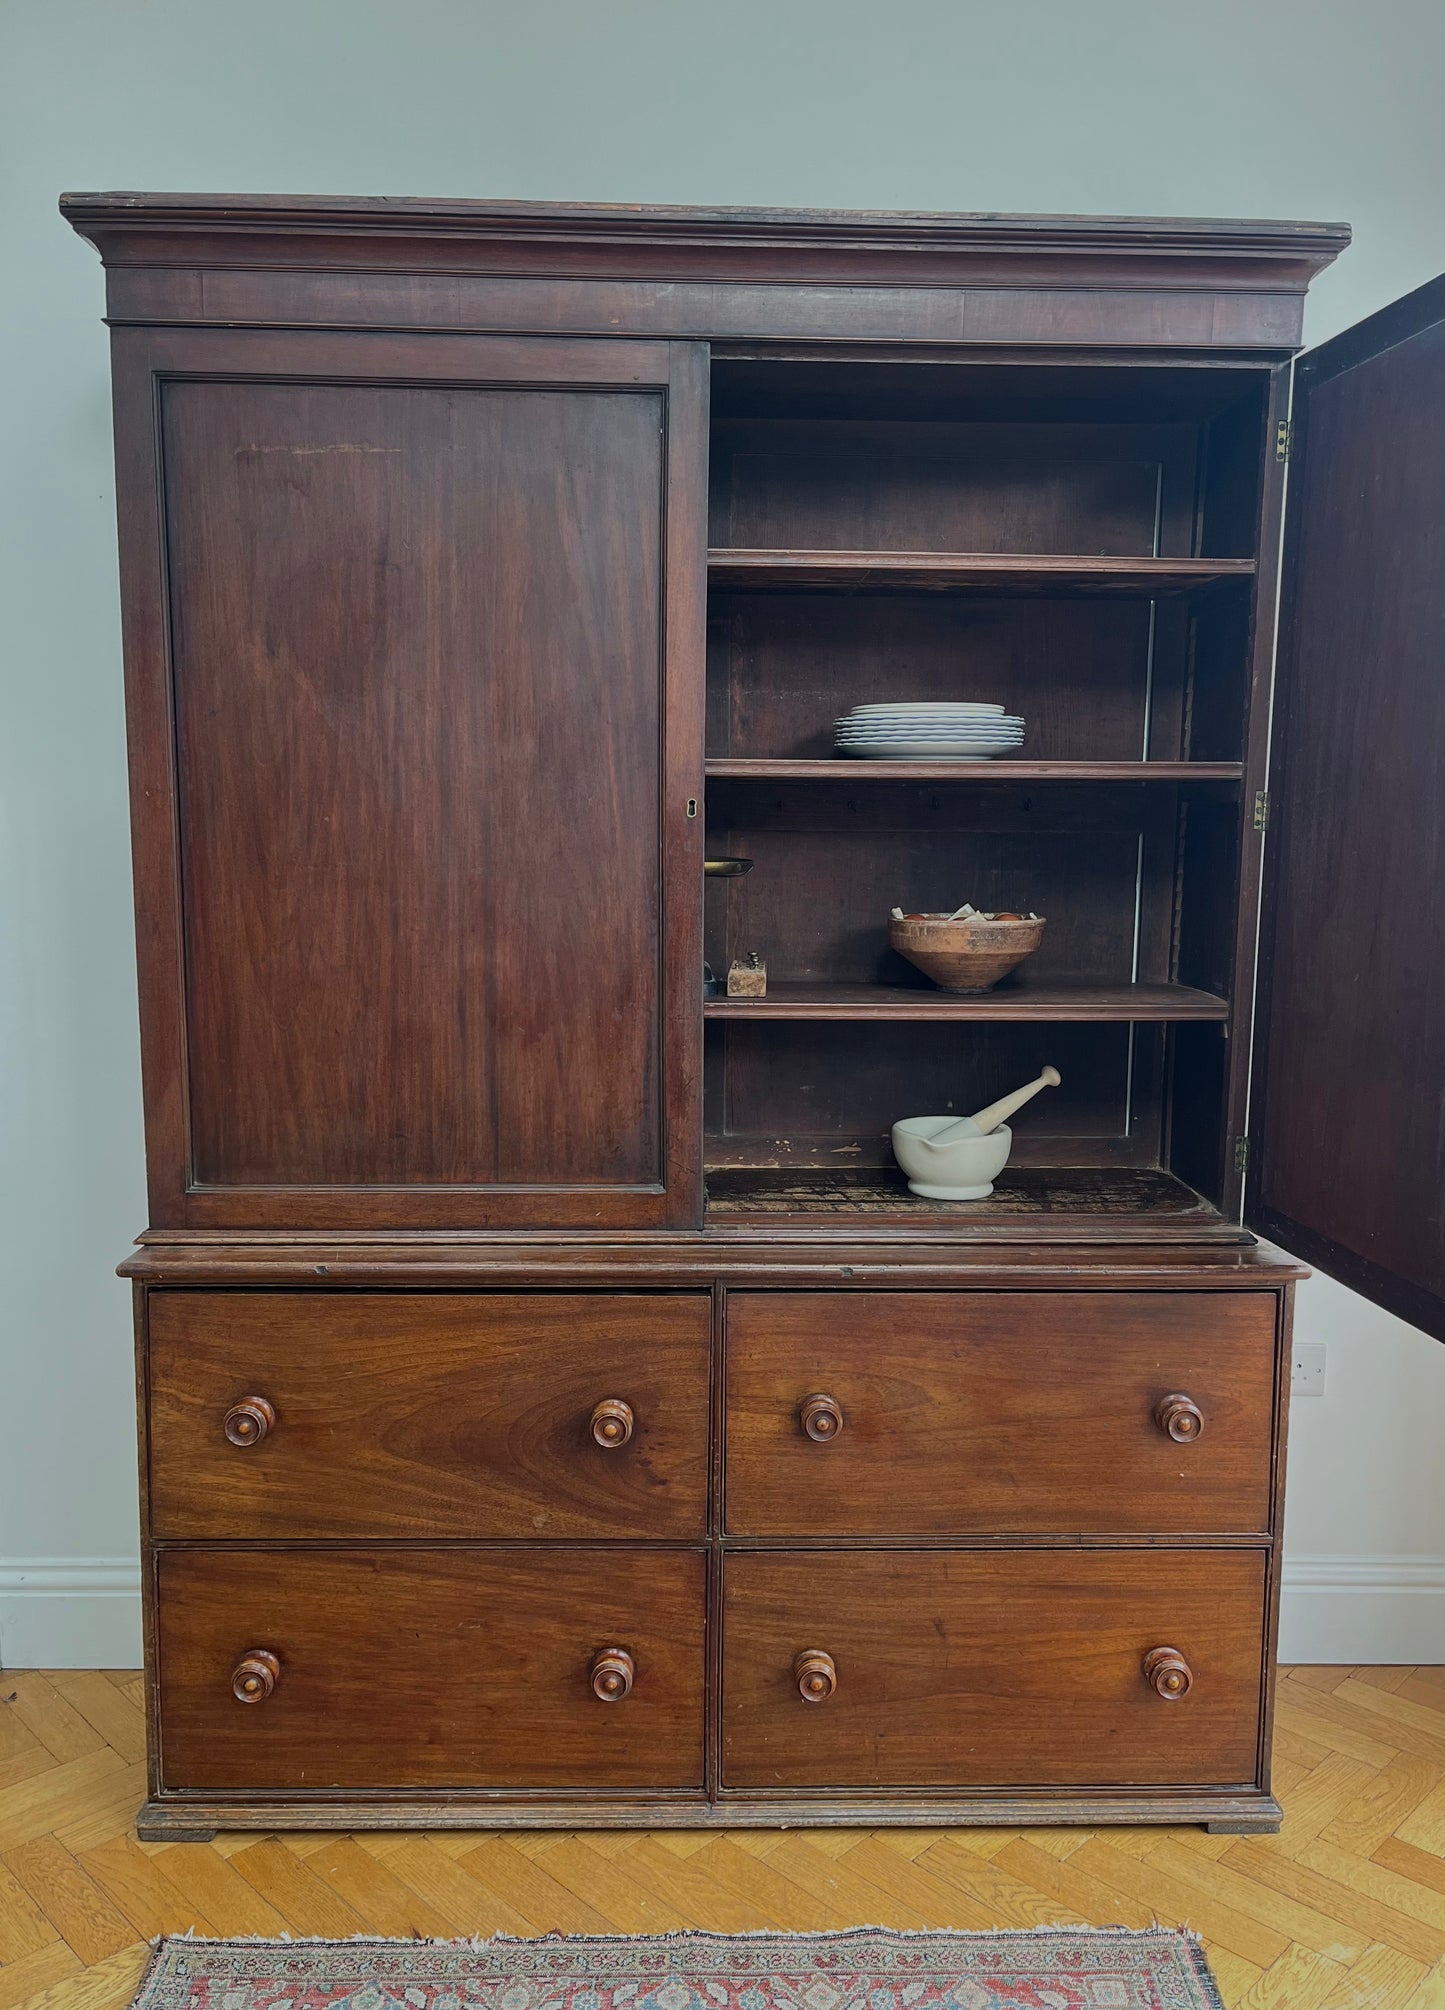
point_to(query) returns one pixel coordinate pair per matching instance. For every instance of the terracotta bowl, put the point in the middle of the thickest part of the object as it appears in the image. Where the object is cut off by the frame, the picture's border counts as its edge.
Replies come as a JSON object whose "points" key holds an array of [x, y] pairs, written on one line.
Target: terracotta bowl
{"points": [[964, 955]]}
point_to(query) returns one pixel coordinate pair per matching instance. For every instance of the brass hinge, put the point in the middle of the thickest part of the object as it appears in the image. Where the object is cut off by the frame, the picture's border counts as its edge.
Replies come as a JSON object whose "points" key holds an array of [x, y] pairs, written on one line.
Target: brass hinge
{"points": [[1261, 809], [1283, 439], [1241, 1154]]}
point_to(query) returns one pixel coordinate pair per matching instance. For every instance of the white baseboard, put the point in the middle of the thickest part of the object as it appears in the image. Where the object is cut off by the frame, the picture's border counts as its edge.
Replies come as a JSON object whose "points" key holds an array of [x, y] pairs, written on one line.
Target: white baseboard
{"points": [[1381, 1609], [70, 1612], [84, 1612]]}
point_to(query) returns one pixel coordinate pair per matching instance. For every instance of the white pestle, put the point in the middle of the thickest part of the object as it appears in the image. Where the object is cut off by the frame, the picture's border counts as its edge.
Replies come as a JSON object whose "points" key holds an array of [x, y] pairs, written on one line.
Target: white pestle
{"points": [[993, 1114]]}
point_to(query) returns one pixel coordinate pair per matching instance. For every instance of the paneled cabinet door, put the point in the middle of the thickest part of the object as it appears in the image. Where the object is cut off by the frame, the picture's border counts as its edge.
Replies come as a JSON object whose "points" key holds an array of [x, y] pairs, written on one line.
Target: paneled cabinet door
{"points": [[1347, 1159], [414, 633]]}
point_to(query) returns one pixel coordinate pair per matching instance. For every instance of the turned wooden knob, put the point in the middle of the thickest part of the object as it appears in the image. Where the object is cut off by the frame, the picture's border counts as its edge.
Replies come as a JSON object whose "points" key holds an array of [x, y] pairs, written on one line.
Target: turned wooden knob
{"points": [[1168, 1673], [821, 1418], [248, 1421], [612, 1423], [255, 1675], [816, 1674], [611, 1674], [1182, 1419]]}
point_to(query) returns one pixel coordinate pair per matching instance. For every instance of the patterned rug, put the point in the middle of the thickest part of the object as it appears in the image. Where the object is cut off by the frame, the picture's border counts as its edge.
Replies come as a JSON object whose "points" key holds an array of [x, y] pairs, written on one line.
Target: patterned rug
{"points": [[1058, 1968]]}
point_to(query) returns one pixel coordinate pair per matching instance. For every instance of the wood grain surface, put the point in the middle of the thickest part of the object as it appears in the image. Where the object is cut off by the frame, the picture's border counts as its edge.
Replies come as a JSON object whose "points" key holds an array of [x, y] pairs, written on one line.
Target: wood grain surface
{"points": [[416, 663], [960, 571], [1025, 1000], [428, 617], [442, 1667], [1010, 1412], [1022, 1667], [429, 1415], [809, 274], [1352, 1163]]}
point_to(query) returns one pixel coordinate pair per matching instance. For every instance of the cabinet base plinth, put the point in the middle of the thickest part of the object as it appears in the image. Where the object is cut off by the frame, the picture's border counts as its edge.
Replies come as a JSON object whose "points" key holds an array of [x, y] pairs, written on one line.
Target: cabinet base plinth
{"points": [[192, 1818]]}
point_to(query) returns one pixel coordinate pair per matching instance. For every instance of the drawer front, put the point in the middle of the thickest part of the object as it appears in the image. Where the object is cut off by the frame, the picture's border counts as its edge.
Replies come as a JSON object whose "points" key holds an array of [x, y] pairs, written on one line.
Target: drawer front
{"points": [[445, 1668], [999, 1668], [406, 1414], [954, 1413]]}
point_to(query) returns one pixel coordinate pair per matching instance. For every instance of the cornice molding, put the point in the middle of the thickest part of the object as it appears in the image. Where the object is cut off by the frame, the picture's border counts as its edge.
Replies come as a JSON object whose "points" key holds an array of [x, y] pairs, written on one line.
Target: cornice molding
{"points": [[784, 246]]}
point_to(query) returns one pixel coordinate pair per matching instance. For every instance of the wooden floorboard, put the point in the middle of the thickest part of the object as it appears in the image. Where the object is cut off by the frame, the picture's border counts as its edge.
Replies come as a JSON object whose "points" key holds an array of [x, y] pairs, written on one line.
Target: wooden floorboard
{"points": [[1343, 1910]]}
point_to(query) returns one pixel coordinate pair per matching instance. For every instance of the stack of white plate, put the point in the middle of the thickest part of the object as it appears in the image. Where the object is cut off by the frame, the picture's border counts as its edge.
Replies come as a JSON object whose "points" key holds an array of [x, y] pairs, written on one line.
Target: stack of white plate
{"points": [[935, 732]]}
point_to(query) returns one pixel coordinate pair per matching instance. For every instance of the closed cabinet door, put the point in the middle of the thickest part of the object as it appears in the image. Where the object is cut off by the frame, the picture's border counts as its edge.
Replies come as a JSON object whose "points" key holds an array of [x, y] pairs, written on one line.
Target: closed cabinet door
{"points": [[413, 644]]}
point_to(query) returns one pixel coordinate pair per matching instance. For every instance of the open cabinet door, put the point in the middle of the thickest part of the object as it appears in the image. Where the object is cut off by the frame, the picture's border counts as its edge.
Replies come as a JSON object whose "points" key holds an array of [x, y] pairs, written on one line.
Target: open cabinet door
{"points": [[1348, 1094]]}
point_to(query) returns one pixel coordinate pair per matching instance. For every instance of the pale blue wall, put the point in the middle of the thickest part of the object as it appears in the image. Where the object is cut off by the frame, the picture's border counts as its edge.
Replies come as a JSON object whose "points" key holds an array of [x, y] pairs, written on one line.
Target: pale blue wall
{"points": [[1243, 108]]}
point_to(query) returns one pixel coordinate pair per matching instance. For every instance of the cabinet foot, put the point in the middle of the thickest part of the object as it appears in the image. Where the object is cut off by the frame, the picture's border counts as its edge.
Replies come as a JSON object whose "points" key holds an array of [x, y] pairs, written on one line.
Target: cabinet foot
{"points": [[156, 1823]]}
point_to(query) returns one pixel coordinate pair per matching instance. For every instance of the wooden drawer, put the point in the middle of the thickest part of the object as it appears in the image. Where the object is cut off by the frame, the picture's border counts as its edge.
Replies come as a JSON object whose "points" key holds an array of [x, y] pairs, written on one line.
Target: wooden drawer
{"points": [[999, 1412], [407, 1414], [440, 1668], [994, 1668]]}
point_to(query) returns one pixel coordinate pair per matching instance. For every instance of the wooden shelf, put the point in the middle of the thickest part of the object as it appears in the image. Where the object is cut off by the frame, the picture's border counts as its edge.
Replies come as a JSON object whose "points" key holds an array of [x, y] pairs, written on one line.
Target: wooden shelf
{"points": [[1086, 1003], [843, 768], [1034, 1202], [966, 572]]}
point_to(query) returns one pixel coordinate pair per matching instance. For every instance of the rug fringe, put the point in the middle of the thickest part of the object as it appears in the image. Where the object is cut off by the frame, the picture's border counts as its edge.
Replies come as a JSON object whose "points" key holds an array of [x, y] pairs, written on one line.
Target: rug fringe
{"points": [[555, 1937]]}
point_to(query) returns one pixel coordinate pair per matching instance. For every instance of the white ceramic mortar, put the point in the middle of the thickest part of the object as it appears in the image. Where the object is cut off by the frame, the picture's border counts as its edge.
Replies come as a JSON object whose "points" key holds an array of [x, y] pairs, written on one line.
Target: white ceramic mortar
{"points": [[963, 1170]]}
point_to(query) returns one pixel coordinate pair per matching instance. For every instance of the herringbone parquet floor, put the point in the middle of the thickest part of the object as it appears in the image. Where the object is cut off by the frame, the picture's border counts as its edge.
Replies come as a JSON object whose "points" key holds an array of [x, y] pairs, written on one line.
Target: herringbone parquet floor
{"points": [[1344, 1910]]}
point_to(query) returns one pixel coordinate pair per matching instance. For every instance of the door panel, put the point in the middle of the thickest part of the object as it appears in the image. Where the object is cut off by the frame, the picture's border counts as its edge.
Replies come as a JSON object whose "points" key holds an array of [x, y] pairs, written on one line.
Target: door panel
{"points": [[428, 674], [1350, 1074]]}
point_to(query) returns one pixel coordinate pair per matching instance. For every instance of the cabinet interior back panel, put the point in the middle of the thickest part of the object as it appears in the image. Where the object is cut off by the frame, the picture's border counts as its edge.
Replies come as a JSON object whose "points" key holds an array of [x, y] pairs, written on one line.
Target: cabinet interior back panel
{"points": [[790, 1094], [1118, 490], [1096, 681], [416, 662], [816, 903]]}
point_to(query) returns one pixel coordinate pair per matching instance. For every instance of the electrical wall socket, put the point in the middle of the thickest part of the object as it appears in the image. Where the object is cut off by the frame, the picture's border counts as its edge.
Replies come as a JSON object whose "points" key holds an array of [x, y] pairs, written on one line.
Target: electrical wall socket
{"points": [[1307, 1373]]}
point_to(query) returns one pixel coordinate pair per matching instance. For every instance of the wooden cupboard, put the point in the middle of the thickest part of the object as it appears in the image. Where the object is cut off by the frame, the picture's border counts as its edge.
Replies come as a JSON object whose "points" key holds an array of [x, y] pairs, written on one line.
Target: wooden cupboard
{"points": [[554, 1406]]}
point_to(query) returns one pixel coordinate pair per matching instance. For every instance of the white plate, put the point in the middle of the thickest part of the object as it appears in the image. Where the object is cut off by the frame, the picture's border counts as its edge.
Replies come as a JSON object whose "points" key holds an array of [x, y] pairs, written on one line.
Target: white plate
{"points": [[929, 719], [928, 726], [920, 750], [907, 750], [924, 705], [933, 725], [943, 746], [989, 725], [932, 733], [933, 740]]}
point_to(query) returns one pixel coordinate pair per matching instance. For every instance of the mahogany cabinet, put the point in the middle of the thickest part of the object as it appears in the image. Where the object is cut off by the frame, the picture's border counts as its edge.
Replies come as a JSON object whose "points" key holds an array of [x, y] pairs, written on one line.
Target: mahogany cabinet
{"points": [[554, 1407]]}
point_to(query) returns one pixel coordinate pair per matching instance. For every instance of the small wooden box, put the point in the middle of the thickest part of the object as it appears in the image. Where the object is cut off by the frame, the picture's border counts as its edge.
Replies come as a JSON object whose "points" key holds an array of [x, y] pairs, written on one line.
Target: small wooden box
{"points": [[748, 980]]}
